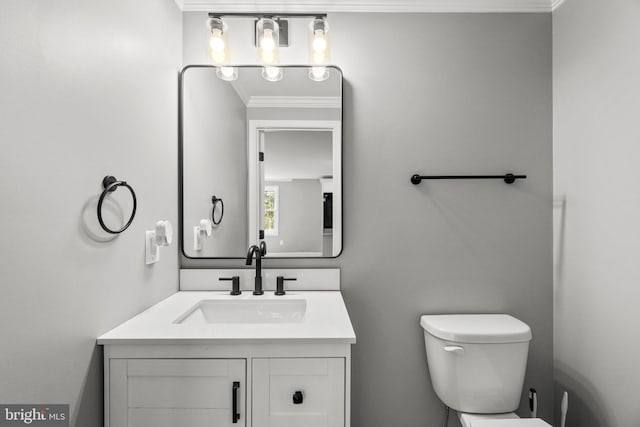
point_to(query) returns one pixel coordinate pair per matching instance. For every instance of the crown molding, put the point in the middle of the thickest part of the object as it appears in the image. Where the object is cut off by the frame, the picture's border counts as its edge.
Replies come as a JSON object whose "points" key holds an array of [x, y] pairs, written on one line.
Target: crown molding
{"points": [[294, 102], [244, 97], [556, 4], [403, 6]]}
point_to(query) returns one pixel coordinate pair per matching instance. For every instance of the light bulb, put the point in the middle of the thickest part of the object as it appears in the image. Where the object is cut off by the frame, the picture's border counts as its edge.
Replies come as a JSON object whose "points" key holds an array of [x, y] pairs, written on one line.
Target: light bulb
{"points": [[218, 57], [318, 58], [267, 43], [268, 57], [216, 42], [272, 74], [227, 73], [319, 74], [319, 43], [268, 36], [272, 71]]}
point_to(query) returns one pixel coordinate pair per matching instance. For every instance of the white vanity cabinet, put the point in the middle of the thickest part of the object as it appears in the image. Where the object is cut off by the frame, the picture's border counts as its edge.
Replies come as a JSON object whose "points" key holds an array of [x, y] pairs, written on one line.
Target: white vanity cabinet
{"points": [[177, 392], [261, 389], [298, 392]]}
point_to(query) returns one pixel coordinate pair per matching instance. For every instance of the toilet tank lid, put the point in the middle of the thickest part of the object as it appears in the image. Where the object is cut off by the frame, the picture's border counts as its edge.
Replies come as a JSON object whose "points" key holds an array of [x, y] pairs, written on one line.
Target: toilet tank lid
{"points": [[476, 328]]}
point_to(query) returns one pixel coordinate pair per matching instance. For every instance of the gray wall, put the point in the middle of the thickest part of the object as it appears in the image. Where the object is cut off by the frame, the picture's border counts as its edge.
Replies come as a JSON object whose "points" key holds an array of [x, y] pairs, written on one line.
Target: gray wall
{"points": [[88, 89], [215, 148], [596, 103], [300, 212], [467, 93]]}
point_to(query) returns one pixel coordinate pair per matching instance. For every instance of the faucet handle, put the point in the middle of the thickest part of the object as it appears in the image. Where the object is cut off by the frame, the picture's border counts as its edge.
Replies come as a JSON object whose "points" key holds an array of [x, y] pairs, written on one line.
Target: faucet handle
{"points": [[235, 284], [280, 284]]}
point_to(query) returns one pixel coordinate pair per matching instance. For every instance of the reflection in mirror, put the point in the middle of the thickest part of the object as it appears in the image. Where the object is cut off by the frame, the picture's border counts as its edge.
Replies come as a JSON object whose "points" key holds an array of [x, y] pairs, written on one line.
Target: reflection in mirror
{"points": [[272, 152], [298, 172]]}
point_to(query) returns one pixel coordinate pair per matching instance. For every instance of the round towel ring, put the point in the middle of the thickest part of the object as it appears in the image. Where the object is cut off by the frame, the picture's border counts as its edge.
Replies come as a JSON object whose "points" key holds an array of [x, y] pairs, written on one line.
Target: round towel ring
{"points": [[215, 202], [111, 184]]}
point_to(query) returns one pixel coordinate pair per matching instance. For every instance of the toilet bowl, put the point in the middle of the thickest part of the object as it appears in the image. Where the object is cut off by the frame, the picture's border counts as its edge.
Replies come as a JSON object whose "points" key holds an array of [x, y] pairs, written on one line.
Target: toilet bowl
{"points": [[477, 364]]}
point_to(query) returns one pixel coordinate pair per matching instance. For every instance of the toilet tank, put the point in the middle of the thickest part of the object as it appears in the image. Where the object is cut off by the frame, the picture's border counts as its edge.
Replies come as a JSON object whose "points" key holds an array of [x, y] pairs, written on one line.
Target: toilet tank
{"points": [[477, 361]]}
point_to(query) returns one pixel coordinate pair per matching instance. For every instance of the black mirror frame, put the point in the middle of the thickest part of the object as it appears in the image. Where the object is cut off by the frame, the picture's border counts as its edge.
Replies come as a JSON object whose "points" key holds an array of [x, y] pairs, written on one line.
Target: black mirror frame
{"points": [[181, 160]]}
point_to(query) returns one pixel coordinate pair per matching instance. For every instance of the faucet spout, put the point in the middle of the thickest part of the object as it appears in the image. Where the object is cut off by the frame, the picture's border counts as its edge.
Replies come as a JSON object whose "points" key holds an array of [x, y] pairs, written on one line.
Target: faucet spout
{"points": [[250, 253], [257, 252]]}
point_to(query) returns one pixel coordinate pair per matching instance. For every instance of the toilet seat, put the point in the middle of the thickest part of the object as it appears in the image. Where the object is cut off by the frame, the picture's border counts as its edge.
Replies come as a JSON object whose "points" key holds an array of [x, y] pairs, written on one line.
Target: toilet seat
{"points": [[499, 420], [521, 422]]}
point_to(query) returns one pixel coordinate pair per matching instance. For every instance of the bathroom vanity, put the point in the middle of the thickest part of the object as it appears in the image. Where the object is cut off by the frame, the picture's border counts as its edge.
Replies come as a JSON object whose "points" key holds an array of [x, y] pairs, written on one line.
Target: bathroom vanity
{"points": [[203, 357]]}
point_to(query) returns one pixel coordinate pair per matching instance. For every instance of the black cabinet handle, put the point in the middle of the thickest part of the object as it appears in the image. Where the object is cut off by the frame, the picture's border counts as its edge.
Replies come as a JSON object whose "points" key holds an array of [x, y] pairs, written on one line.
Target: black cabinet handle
{"points": [[235, 416], [298, 398]]}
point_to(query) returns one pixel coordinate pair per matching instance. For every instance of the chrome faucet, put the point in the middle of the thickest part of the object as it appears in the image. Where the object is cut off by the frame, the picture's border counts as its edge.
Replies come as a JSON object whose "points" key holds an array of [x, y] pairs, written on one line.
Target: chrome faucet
{"points": [[258, 252]]}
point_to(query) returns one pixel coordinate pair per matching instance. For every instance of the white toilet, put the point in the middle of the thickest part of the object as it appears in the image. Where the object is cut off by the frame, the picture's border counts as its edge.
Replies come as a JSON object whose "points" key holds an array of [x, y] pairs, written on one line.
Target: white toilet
{"points": [[477, 364]]}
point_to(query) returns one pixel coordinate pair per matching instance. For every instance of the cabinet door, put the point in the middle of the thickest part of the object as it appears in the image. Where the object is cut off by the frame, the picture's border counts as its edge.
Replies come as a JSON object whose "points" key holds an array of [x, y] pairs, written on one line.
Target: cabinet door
{"points": [[177, 392], [298, 392]]}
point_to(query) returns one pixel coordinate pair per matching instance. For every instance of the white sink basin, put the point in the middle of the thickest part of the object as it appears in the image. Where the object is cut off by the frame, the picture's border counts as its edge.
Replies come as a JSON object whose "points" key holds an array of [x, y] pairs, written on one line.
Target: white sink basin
{"points": [[245, 311]]}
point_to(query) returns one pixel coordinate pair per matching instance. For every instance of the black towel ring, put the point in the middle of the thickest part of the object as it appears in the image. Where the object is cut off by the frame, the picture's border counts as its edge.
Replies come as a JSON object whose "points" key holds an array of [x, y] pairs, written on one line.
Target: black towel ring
{"points": [[215, 201], [110, 184]]}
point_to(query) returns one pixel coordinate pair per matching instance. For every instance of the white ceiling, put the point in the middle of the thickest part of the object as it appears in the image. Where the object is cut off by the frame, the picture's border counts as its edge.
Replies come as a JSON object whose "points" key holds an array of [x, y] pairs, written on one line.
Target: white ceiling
{"points": [[386, 6]]}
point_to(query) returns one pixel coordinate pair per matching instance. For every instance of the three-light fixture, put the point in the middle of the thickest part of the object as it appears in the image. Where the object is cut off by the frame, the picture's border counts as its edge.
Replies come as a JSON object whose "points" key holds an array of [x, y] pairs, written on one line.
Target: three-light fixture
{"points": [[267, 36]]}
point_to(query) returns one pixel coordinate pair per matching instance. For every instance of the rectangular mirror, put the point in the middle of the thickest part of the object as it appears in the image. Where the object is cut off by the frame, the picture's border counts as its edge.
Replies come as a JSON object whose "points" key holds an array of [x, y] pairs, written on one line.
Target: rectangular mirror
{"points": [[260, 161]]}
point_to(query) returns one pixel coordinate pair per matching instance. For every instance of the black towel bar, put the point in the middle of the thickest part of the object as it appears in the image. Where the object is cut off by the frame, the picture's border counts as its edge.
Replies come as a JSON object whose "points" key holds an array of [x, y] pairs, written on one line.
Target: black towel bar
{"points": [[509, 178]]}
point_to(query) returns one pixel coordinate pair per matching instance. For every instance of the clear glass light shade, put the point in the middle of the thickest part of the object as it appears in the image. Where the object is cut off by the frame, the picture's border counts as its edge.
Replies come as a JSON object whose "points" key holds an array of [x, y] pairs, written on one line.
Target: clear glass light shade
{"points": [[319, 74], [227, 73], [319, 42], [272, 74], [217, 37], [268, 37]]}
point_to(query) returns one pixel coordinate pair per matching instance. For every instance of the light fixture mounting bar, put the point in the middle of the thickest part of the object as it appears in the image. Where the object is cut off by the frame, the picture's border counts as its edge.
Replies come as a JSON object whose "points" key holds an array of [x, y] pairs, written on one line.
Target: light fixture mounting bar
{"points": [[268, 15]]}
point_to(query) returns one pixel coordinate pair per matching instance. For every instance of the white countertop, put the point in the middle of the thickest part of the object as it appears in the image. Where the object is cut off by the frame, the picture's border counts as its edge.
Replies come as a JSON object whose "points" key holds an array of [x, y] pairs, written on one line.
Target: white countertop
{"points": [[326, 321]]}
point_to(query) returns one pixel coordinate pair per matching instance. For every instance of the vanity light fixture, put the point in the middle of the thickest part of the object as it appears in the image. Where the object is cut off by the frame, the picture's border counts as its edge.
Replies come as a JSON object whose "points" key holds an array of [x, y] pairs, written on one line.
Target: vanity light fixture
{"points": [[218, 48], [319, 49], [268, 42], [217, 37], [268, 37], [271, 32]]}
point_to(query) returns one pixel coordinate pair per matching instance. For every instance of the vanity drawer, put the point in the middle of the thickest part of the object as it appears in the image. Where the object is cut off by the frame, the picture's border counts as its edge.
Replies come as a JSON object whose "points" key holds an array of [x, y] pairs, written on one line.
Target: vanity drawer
{"points": [[307, 392], [177, 392]]}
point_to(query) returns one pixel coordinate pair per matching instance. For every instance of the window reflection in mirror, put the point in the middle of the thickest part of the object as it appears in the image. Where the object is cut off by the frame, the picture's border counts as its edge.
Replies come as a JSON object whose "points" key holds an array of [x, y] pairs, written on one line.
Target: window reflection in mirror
{"points": [[271, 209]]}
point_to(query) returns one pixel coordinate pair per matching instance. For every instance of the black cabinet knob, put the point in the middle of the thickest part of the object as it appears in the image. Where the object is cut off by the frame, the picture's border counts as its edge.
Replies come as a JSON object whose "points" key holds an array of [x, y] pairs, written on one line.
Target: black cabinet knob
{"points": [[297, 398]]}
